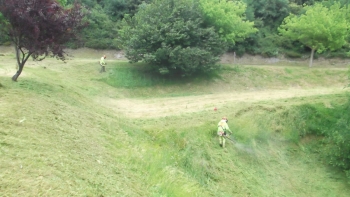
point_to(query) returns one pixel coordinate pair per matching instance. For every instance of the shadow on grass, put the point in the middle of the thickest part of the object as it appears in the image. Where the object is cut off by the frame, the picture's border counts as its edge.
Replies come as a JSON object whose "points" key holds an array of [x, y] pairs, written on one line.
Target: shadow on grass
{"points": [[29, 84], [140, 75], [35, 86]]}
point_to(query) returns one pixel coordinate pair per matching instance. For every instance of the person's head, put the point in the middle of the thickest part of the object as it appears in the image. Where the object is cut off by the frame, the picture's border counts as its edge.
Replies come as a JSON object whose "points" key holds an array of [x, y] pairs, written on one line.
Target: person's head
{"points": [[104, 56], [225, 119]]}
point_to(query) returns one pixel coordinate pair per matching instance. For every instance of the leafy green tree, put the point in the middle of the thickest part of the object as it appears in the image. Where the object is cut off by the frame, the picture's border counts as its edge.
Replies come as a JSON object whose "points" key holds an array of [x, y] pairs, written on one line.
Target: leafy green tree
{"points": [[171, 36], [228, 18], [320, 28]]}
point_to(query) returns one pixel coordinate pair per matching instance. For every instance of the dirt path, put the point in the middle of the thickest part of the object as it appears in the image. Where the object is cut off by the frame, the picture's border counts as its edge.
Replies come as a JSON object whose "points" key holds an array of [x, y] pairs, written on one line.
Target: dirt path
{"points": [[160, 107]]}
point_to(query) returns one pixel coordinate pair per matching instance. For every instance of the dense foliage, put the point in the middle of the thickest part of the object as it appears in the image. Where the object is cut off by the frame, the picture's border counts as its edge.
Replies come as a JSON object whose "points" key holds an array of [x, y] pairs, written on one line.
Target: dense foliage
{"points": [[228, 19], [103, 18]]}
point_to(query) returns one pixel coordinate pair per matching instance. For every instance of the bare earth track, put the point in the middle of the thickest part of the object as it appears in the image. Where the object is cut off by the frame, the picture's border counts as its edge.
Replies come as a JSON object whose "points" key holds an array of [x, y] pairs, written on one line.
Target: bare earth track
{"points": [[160, 107]]}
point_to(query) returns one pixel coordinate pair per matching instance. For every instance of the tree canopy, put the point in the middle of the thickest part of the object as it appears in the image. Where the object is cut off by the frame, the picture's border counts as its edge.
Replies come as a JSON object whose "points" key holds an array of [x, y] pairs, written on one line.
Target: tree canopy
{"points": [[320, 28], [39, 28], [228, 18]]}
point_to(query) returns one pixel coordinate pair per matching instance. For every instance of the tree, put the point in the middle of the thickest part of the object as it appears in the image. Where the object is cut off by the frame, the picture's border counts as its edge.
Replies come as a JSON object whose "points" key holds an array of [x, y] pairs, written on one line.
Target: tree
{"points": [[39, 28], [228, 19], [320, 28], [171, 36]]}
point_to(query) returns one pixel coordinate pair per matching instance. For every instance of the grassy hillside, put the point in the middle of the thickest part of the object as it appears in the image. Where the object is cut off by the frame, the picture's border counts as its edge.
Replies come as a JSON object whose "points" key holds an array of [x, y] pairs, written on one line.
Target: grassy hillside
{"points": [[67, 130]]}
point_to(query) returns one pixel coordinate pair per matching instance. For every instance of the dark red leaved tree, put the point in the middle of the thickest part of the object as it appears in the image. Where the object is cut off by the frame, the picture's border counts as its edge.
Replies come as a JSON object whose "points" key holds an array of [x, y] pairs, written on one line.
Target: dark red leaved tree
{"points": [[39, 28]]}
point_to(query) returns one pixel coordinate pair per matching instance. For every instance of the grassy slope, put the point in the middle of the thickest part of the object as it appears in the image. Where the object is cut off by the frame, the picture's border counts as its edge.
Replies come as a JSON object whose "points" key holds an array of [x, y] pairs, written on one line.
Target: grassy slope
{"points": [[55, 140]]}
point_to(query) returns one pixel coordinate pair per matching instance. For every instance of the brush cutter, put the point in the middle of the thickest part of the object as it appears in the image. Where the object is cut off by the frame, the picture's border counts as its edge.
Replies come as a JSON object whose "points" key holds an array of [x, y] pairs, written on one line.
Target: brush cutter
{"points": [[227, 137]]}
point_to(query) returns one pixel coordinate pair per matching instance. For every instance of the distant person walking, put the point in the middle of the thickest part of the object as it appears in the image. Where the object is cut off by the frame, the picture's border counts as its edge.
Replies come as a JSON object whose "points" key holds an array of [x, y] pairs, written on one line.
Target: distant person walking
{"points": [[222, 131], [103, 63]]}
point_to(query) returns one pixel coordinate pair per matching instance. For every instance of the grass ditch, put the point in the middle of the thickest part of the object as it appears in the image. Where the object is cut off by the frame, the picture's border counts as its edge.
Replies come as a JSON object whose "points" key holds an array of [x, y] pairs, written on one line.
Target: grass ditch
{"points": [[55, 139]]}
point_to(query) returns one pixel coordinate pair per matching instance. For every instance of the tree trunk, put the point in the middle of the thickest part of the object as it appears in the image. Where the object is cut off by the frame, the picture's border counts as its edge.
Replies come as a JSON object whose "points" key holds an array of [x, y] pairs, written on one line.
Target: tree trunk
{"points": [[21, 60], [17, 56], [234, 57], [311, 57], [19, 71]]}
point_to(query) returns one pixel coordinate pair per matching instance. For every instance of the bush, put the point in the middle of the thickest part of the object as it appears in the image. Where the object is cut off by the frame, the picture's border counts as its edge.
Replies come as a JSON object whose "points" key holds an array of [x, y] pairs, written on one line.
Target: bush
{"points": [[171, 36]]}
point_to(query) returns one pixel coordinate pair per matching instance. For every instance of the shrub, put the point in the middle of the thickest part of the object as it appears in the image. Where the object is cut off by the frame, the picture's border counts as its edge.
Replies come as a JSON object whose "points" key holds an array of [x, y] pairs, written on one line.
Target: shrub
{"points": [[171, 36]]}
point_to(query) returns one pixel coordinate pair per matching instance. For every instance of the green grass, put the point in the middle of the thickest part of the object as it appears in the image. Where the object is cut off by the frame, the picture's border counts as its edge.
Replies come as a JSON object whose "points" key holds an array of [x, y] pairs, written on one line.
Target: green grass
{"points": [[59, 137], [139, 79]]}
